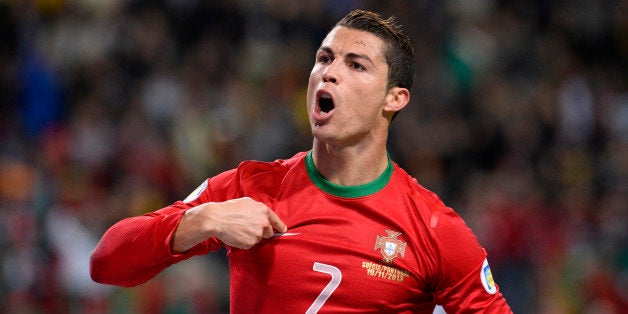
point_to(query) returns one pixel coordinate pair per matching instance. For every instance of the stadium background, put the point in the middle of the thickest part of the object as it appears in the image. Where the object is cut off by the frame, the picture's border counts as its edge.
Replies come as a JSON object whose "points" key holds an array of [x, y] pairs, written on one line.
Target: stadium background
{"points": [[518, 119]]}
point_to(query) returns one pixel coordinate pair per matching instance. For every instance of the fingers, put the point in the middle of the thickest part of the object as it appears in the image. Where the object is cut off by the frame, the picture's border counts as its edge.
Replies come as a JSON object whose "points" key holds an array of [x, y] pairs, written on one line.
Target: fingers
{"points": [[243, 222]]}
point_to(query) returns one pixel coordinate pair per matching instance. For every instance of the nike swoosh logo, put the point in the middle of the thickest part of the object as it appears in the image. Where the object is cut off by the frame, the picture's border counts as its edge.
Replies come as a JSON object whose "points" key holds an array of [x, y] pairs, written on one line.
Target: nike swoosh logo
{"points": [[284, 234]]}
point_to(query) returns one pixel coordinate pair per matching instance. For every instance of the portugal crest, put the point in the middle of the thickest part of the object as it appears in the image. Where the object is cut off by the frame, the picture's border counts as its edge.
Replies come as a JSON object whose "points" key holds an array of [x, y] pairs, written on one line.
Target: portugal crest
{"points": [[390, 246]]}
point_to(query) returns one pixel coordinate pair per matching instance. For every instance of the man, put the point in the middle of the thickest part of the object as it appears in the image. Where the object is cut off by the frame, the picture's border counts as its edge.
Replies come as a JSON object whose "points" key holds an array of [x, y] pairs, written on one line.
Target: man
{"points": [[340, 228]]}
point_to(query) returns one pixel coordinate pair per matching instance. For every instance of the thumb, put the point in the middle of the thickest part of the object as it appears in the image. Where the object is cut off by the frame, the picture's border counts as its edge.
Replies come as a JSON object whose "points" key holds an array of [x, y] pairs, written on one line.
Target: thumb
{"points": [[276, 222]]}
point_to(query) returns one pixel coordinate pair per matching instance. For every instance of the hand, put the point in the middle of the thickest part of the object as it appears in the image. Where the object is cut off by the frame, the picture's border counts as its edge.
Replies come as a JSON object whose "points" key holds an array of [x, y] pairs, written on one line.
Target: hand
{"points": [[243, 222], [239, 223]]}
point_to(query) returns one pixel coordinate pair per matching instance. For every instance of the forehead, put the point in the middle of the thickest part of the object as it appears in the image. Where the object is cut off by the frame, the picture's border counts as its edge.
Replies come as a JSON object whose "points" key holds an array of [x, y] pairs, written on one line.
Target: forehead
{"points": [[343, 40]]}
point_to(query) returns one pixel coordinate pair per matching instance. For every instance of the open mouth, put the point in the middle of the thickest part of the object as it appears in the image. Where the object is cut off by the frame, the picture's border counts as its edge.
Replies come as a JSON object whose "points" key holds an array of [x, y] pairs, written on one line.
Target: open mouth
{"points": [[326, 103]]}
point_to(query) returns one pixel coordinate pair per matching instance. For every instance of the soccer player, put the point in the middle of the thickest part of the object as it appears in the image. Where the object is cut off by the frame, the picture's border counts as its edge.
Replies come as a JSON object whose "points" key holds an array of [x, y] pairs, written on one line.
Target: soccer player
{"points": [[340, 228]]}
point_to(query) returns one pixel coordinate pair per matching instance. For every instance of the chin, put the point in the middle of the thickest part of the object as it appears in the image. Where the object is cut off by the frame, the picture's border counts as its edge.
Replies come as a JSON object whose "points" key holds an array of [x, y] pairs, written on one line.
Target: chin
{"points": [[326, 137], [321, 134]]}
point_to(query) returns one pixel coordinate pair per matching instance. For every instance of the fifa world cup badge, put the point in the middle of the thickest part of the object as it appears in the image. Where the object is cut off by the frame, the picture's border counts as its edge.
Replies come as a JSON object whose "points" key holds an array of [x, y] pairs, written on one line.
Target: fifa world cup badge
{"points": [[487, 278], [390, 246]]}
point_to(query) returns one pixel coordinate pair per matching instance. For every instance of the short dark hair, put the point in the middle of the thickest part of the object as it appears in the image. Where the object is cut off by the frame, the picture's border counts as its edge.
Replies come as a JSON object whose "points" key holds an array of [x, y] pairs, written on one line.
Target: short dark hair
{"points": [[398, 51]]}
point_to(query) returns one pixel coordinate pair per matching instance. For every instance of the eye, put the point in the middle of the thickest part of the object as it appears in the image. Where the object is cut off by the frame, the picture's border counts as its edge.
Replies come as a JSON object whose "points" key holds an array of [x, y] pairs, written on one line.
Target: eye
{"points": [[324, 58], [357, 66]]}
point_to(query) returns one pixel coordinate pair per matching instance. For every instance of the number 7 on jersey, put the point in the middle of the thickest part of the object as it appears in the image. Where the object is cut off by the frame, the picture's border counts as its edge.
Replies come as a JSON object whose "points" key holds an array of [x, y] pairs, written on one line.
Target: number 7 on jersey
{"points": [[336, 277]]}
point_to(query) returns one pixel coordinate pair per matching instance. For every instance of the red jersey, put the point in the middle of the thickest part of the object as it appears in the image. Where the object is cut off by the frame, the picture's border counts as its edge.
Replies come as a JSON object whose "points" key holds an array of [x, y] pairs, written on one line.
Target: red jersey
{"points": [[387, 246]]}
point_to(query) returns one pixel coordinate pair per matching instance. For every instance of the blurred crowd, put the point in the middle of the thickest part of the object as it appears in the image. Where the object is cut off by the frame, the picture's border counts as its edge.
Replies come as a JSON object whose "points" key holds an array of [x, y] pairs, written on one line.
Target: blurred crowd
{"points": [[518, 120]]}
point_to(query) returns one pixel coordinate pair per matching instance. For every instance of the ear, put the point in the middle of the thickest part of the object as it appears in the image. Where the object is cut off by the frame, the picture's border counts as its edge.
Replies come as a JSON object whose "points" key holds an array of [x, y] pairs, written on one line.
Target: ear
{"points": [[396, 99]]}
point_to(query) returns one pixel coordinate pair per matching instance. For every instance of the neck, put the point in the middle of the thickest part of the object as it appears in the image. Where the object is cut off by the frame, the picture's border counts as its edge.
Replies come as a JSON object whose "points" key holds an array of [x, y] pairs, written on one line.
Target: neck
{"points": [[350, 166]]}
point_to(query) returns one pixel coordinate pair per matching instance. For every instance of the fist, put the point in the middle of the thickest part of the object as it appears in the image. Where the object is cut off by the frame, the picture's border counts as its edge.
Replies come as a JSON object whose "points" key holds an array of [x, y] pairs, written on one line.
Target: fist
{"points": [[242, 222]]}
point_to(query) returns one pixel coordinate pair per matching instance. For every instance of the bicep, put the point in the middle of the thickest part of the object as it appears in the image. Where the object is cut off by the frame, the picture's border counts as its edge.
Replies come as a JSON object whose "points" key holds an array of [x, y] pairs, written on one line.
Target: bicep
{"points": [[465, 282]]}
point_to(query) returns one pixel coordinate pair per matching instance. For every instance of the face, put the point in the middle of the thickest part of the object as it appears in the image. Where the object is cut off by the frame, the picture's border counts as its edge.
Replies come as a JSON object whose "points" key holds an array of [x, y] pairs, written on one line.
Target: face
{"points": [[347, 87]]}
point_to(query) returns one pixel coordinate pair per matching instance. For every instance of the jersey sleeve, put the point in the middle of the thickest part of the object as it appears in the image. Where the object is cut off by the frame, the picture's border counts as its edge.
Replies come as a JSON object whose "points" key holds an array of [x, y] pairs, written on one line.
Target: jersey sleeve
{"points": [[465, 283], [136, 249]]}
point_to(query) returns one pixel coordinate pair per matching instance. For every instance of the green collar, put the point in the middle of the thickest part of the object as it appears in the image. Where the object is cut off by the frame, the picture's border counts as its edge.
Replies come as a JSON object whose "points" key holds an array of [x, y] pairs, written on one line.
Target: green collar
{"points": [[347, 191]]}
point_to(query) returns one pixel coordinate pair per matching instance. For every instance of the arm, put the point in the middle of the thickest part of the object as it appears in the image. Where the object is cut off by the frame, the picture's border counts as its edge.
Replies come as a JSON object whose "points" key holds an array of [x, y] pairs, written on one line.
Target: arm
{"points": [[466, 284], [239, 223], [136, 249], [473, 294]]}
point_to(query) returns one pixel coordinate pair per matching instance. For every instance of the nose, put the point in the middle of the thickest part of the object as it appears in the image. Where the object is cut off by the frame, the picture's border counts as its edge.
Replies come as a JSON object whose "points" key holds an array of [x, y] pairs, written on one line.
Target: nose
{"points": [[329, 74]]}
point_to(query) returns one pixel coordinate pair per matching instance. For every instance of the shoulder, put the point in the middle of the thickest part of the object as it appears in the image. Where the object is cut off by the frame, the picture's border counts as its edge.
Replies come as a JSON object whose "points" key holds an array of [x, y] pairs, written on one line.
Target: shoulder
{"points": [[446, 225], [255, 176], [451, 244], [252, 169], [451, 236], [247, 178], [408, 185]]}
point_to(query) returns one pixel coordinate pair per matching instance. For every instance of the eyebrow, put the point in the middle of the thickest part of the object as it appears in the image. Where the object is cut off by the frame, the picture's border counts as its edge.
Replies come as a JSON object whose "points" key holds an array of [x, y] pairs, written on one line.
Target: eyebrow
{"points": [[351, 55]]}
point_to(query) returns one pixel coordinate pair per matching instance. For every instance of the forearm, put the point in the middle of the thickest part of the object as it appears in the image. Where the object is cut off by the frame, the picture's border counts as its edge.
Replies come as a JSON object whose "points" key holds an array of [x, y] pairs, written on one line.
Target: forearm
{"points": [[191, 230], [239, 223], [134, 250]]}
